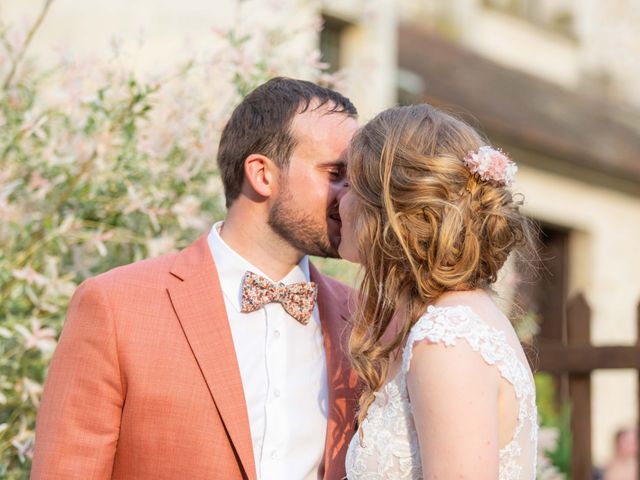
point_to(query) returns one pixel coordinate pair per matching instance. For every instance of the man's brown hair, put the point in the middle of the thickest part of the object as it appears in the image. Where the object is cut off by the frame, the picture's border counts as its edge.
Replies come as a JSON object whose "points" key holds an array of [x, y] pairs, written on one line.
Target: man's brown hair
{"points": [[261, 124]]}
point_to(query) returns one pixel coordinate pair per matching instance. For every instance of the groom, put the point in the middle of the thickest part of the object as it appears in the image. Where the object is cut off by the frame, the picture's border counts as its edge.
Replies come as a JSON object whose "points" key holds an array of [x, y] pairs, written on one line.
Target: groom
{"points": [[219, 362]]}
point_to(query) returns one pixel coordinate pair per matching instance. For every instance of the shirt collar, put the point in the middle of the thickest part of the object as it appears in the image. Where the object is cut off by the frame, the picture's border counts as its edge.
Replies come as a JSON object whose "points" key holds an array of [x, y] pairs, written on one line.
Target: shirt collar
{"points": [[232, 266]]}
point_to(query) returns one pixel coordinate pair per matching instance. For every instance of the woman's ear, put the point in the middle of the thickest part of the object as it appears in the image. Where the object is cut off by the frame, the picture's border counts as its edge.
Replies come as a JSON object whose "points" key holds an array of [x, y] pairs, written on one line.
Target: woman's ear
{"points": [[259, 172]]}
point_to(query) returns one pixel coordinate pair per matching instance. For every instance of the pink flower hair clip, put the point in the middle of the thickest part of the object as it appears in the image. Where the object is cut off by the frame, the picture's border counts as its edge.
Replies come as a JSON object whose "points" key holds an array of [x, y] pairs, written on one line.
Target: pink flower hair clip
{"points": [[491, 165]]}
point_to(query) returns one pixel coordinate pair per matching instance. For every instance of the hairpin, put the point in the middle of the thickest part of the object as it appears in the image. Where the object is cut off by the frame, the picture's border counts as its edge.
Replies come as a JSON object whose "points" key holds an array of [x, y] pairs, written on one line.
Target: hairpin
{"points": [[491, 165]]}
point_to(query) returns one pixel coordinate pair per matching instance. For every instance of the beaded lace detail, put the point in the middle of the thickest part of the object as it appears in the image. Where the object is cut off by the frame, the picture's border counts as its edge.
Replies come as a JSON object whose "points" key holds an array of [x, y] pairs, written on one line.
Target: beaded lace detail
{"points": [[389, 448]]}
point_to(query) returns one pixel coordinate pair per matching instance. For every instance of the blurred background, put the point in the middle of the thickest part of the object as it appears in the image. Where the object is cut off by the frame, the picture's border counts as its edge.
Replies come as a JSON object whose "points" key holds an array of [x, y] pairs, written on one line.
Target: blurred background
{"points": [[110, 114]]}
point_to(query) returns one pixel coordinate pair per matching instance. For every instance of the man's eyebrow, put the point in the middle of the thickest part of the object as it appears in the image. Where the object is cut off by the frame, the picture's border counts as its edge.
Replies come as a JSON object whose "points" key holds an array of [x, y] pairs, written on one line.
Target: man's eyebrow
{"points": [[342, 163]]}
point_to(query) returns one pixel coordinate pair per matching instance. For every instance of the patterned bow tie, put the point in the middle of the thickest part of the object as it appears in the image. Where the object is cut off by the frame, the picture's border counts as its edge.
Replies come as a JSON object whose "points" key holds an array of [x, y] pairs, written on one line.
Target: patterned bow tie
{"points": [[297, 299]]}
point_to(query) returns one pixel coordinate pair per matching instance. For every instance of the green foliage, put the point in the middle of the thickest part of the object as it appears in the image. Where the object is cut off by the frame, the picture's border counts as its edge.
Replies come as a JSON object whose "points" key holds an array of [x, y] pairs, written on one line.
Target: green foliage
{"points": [[79, 196], [556, 420], [346, 272]]}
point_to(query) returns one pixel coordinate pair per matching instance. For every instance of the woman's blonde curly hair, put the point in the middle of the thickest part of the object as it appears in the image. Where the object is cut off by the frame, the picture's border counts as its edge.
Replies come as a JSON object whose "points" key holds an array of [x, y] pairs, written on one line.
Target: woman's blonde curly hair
{"points": [[425, 225]]}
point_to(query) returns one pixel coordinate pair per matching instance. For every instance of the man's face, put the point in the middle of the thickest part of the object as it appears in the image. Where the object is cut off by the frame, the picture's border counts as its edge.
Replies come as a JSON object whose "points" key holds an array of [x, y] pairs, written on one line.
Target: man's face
{"points": [[305, 211]]}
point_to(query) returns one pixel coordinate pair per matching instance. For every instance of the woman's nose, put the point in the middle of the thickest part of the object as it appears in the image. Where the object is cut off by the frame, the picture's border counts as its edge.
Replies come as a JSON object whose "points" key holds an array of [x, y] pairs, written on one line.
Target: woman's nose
{"points": [[343, 188]]}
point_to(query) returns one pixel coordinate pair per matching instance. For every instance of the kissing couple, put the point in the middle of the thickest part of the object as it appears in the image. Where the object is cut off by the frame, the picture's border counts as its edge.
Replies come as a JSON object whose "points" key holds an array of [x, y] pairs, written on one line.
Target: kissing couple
{"points": [[236, 359]]}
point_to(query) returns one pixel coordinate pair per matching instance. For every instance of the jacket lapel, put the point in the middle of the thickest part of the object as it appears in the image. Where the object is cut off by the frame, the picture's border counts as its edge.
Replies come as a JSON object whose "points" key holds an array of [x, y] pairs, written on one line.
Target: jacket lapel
{"points": [[197, 299], [333, 307]]}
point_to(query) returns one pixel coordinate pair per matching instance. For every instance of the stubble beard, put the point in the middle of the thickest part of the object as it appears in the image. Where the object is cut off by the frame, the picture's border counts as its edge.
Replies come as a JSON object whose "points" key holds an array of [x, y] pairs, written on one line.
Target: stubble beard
{"points": [[300, 230]]}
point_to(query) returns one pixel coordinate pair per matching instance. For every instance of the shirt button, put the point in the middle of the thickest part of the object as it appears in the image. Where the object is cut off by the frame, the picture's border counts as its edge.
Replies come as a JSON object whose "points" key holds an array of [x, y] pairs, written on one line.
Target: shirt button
{"points": [[276, 334], [274, 454], [276, 393]]}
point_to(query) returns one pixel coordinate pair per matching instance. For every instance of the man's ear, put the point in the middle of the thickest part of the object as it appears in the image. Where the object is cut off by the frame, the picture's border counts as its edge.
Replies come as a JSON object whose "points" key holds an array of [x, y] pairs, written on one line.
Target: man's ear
{"points": [[259, 172]]}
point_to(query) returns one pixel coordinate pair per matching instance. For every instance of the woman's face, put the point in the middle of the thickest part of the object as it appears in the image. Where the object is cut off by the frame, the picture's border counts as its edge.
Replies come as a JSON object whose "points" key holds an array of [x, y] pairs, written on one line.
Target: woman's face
{"points": [[348, 248]]}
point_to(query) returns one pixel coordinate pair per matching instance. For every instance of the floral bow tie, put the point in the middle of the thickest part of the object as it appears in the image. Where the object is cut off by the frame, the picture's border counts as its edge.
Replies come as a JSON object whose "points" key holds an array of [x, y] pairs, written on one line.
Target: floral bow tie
{"points": [[297, 299]]}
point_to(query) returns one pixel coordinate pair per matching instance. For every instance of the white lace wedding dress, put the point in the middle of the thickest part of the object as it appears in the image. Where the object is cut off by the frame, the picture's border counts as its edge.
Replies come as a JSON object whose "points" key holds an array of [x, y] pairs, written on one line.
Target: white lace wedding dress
{"points": [[390, 449]]}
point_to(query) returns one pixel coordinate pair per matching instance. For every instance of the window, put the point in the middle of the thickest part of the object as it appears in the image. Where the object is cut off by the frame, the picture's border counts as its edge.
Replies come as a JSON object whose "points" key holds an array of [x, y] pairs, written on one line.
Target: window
{"points": [[331, 41]]}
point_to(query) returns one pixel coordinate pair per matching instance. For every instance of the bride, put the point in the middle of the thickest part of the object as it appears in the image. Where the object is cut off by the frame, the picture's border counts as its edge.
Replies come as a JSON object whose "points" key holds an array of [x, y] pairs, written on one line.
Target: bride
{"points": [[448, 392]]}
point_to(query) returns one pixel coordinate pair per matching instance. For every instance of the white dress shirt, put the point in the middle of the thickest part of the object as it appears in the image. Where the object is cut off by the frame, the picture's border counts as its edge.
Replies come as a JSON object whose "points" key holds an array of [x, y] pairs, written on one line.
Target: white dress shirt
{"points": [[283, 370]]}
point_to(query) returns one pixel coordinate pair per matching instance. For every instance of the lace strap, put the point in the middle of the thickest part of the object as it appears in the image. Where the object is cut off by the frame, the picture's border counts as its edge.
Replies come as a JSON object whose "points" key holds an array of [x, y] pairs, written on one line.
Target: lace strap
{"points": [[447, 325]]}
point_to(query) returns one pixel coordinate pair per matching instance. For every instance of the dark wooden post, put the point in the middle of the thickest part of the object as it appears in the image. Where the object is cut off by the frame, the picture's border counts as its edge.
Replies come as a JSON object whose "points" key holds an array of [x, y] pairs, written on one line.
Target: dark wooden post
{"points": [[579, 334], [578, 359]]}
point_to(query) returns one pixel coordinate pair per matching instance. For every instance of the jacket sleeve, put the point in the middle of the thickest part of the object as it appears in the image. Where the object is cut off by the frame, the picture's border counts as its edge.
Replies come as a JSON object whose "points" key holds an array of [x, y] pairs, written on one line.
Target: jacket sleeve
{"points": [[79, 417]]}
